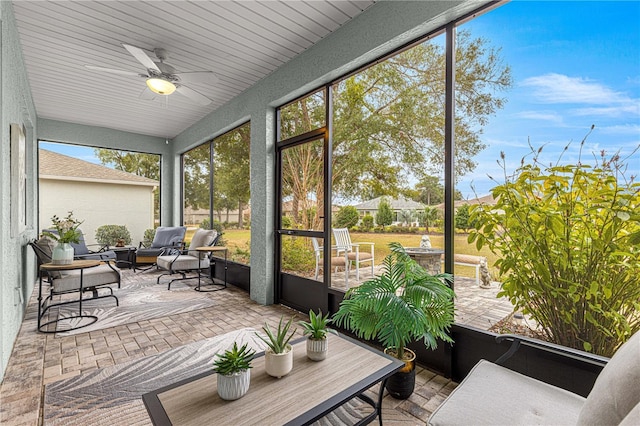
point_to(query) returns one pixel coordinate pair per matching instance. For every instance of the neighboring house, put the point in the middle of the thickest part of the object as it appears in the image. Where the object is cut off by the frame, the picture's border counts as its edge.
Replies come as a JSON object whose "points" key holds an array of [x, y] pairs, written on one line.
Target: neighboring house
{"points": [[195, 217], [96, 194], [397, 205]]}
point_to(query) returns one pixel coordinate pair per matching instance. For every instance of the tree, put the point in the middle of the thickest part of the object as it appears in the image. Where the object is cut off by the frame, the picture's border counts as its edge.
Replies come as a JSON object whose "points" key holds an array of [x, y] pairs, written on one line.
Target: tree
{"points": [[462, 219], [429, 216], [384, 215], [389, 122], [231, 171], [196, 174], [347, 217], [406, 217], [431, 192], [568, 237]]}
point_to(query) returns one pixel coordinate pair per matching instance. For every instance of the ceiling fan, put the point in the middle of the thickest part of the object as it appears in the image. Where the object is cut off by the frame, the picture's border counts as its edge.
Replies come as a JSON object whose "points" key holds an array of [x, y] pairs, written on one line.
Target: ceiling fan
{"points": [[162, 78]]}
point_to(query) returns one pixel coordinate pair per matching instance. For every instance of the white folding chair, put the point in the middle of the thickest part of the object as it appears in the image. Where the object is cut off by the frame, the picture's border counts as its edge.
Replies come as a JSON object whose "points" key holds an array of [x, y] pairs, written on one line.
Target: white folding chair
{"points": [[352, 250]]}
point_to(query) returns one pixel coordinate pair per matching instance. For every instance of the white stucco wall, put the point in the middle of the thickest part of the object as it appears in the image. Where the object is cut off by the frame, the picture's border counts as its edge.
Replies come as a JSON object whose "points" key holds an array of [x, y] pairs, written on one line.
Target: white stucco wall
{"points": [[98, 204], [17, 263]]}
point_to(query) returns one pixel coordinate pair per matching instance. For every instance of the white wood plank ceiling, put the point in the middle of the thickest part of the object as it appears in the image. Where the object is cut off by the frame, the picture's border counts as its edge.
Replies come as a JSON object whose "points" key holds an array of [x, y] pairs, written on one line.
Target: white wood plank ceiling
{"points": [[240, 41]]}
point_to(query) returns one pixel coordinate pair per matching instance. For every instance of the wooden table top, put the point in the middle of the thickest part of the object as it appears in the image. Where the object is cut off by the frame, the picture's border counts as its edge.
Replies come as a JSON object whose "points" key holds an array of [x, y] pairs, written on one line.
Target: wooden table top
{"points": [[76, 264], [310, 390]]}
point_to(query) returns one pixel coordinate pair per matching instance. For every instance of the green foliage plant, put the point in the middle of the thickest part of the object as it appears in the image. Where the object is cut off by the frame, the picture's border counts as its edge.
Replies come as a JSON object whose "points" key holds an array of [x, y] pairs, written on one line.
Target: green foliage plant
{"points": [[430, 216], [568, 237], [403, 304], [234, 360], [367, 222], [66, 229], [279, 340], [148, 236], [384, 215], [347, 217], [463, 219], [110, 234], [317, 326]]}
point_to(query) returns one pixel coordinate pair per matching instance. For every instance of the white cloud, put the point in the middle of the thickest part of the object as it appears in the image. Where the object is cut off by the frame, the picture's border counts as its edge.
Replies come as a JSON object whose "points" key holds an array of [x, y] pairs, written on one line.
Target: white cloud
{"points": [[559, 88], [630, 107], [623, 129], [549, 116]]}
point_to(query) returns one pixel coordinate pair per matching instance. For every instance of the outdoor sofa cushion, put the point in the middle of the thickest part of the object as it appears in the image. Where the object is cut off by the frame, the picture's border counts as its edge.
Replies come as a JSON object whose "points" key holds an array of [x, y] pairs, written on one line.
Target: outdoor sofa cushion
{"points": [[617, 388], [494, 395], [193, 259], [92, 277], [166, 236], [491, 395]]}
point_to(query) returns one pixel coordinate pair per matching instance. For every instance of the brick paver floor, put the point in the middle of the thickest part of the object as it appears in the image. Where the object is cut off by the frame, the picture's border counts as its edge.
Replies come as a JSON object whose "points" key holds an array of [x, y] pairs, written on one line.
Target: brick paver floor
{"points": [[38, 359]]}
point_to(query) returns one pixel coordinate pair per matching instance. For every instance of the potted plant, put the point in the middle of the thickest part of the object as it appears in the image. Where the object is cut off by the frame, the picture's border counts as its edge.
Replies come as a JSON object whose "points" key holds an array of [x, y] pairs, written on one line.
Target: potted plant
{"points": [[234, 376], [403, 304], [65, 232], [278, 357], [113, 235], [316, 329]]}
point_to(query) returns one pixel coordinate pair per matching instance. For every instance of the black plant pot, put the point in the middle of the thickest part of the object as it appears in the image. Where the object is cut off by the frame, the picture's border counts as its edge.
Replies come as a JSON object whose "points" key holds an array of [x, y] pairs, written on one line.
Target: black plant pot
{"points": [[400, 385]]}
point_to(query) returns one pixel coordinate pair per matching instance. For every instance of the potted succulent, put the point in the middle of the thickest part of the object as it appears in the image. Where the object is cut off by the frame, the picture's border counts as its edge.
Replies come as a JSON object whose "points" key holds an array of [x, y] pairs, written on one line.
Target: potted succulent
{"points": [[403, 304], [234, 376], [278, 357], [316, 329]]}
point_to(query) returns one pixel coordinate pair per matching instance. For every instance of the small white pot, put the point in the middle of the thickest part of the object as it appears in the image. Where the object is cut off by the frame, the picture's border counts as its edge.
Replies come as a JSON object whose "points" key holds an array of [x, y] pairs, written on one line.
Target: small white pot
{"points": [[234, 386], [278, 365], [317, 349]]}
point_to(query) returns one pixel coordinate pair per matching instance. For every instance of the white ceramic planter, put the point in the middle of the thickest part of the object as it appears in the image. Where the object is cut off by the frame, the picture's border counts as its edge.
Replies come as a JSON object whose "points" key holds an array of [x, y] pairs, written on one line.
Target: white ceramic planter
{"points": [[278, 365], [62, 254], [317, 349], [234, 386]]}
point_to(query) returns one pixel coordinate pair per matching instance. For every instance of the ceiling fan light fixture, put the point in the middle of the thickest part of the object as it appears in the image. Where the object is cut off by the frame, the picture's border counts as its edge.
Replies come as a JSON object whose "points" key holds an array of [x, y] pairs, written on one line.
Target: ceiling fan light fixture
{"points": [[161, 86]]}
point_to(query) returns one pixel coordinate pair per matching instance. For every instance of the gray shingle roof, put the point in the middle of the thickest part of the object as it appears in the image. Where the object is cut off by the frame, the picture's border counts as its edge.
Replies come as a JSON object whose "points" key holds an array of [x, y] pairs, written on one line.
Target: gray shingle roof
{"points": [[53, 165]]}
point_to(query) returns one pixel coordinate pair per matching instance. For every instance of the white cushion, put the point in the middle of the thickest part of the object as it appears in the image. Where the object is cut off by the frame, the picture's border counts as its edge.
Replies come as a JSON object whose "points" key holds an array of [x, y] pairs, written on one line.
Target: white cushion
{"points": [[202, 238], [92, 277], [494, 395], [617, 388], [183, 262]]}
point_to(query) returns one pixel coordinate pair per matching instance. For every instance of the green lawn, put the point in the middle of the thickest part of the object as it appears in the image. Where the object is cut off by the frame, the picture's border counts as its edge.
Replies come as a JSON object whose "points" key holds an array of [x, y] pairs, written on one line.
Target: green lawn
{"points": [[239, 238]]}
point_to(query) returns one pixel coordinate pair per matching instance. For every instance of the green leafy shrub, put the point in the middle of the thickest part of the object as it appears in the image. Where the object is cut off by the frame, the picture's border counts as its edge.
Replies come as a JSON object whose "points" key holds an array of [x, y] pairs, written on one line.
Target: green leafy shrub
{"points": [[384, 215], [347, 217], [568, 239], [287, 222], [110, 234], [148, 236], [367, 222], [297, 255]]}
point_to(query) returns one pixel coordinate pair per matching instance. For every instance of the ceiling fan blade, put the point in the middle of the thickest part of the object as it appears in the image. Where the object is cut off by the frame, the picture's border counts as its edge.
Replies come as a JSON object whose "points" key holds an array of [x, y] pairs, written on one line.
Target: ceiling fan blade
{"points": [[193, 95], [142, 57], [147, 94], [198, 77], [113, 71]]}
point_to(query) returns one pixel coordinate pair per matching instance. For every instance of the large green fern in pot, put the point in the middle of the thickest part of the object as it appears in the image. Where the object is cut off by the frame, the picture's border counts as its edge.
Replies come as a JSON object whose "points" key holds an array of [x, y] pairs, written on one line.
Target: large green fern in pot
{"points": [[404, 304]]}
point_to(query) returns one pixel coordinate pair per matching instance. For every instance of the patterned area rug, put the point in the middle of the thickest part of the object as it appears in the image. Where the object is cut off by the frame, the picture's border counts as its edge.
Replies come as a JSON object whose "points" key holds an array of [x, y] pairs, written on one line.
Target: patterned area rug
{"points": [[140, 299], [113, 395]]}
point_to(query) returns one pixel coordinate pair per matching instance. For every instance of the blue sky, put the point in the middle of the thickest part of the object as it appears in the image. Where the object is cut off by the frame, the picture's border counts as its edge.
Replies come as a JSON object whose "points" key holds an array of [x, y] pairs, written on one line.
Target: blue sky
{"points": [[574, 64]]}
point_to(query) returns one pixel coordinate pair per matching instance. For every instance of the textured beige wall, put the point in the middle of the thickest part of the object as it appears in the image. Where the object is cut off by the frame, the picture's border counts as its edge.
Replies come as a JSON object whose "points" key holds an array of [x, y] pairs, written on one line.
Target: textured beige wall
{"points": [[98, 204]]}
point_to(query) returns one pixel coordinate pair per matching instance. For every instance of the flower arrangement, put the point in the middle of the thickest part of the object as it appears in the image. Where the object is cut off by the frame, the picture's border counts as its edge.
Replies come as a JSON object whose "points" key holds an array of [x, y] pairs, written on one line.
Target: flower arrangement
{"points": [[66, 229]]}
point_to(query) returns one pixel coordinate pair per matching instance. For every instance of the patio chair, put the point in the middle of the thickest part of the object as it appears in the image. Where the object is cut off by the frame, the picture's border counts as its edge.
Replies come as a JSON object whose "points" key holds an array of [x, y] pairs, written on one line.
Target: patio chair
{"points": [[189, 260], [82, 251], [352, 250], [336, 261], [63, 282], [495, 395], [166, 239]]}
